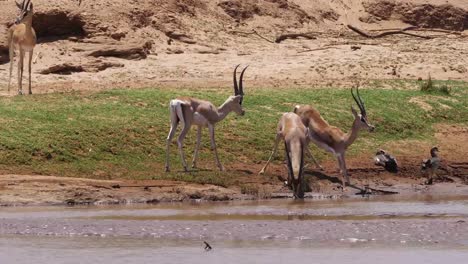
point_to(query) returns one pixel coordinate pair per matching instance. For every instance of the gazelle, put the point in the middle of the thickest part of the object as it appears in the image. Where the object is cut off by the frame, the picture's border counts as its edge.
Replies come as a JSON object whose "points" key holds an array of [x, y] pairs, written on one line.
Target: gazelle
{"points": [[191, 111], [294, 133], [331, 138], [22, 37]]}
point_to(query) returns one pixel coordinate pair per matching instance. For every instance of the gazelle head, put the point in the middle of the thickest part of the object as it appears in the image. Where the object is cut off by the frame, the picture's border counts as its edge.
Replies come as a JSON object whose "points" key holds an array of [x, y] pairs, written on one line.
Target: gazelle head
{"points": [[26, 11], [380, 152], [238, 97], [360, 118], [434, 151]]}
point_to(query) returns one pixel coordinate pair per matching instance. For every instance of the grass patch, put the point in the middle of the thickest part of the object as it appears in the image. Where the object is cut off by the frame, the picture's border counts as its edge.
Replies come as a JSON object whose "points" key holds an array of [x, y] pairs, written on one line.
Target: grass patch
{"points": [[430, 87], [121, 133]]}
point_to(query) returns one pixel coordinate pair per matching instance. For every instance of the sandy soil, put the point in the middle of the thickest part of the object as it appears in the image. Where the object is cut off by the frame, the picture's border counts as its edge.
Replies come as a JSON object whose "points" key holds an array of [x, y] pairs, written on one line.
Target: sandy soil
{"points": [[196, 43], [200, 46]]}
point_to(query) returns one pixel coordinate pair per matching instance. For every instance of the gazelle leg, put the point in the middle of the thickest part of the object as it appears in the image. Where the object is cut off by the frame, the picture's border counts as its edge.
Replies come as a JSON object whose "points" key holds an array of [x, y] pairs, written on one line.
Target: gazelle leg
{"points": [[213, 146], [312, 157], [344, 170], [273, 153], [197, 147], [174, 122], [12, 61], [29, 70], [180, 143], [20, 72], [169, 140], [340, 164]]}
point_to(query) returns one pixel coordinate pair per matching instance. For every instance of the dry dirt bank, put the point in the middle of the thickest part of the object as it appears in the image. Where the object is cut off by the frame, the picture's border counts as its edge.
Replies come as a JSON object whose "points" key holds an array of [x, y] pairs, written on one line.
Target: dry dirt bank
{"points": [[195, 43]]}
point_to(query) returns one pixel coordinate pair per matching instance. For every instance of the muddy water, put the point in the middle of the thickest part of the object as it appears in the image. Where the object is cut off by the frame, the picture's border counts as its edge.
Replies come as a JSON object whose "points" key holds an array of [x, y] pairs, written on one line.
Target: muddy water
{"points": [[28, 250], [393, 229]]}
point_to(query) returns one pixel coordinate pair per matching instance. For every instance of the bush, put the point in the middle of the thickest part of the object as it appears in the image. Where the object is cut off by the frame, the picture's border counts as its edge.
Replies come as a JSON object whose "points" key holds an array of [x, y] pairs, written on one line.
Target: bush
{"points": [[430, 87]]}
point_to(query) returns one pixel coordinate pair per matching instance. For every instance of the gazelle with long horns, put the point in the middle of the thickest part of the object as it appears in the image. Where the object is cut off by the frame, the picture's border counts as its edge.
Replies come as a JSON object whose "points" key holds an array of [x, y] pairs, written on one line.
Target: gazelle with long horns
{"points": [[294, 133], [331, 138], [22, 37], [191, 111]]}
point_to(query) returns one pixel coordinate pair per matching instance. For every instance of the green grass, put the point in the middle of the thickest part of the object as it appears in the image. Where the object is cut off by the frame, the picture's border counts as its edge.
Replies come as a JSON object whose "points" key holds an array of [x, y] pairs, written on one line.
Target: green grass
{"points": [[121, 133]]}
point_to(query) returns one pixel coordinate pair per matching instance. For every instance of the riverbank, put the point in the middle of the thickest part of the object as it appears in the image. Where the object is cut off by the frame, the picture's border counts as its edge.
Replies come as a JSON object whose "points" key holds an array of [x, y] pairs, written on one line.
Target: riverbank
{"points": [[109, 147]]}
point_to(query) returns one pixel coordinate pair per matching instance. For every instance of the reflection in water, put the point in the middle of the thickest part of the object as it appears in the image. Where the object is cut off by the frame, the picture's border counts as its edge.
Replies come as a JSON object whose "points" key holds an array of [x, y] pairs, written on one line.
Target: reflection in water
{"points": [[384, 207]]}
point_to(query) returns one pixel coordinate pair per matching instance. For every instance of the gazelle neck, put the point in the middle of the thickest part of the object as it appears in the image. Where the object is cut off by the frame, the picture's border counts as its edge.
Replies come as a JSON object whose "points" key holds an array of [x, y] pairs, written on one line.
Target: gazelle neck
{"points": [[353, 134], [224, 110], [28, 21]]}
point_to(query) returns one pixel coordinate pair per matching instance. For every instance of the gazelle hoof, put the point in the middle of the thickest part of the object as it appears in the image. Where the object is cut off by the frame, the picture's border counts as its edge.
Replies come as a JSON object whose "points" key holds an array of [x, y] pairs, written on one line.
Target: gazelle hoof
{"points": [[261, 172]]}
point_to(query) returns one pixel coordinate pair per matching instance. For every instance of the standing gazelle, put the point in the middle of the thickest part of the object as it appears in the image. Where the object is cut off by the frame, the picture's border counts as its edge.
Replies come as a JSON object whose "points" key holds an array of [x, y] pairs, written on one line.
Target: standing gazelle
{"points": [[331, 138], [22, 37], [294, 133], [191, 111]]}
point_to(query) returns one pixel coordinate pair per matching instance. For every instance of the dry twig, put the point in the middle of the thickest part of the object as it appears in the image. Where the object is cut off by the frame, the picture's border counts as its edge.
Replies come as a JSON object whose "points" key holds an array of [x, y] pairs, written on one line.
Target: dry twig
{"points": [[284, 37], [387, 33]]}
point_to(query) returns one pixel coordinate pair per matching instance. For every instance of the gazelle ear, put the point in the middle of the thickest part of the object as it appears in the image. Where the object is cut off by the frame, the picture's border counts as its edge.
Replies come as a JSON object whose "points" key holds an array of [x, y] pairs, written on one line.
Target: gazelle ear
{"points": [[18, 5], [30, 6], [354, 111]]}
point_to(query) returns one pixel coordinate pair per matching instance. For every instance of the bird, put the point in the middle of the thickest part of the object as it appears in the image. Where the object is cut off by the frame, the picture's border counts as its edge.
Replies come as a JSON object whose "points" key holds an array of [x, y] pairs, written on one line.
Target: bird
{"points": [[207, 246], [384, 159], [430, 166]]}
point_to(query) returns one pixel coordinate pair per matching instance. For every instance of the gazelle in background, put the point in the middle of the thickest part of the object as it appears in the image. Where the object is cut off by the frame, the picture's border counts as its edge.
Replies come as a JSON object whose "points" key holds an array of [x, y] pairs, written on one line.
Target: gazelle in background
{"points": [[22, 37], [294, 133], [331, 138], [191, 111]]}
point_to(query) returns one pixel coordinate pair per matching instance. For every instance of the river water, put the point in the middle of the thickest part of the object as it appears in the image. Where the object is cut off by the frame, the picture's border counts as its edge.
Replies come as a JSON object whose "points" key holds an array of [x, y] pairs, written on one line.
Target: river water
{"points": [[393, 229]]}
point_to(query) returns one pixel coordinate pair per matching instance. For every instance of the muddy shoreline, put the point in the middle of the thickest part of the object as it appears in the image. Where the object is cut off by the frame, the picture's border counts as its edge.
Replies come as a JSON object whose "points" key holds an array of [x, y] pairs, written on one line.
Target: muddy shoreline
{"points": [[20, 190]]}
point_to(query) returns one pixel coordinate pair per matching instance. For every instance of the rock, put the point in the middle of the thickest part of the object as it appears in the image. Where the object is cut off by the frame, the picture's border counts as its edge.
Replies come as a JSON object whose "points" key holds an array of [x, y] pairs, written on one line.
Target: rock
{"points": [[444, 16], [180, 37], [69, 68], [174, 51], [125, 51], [245, 9], [118, 35]]}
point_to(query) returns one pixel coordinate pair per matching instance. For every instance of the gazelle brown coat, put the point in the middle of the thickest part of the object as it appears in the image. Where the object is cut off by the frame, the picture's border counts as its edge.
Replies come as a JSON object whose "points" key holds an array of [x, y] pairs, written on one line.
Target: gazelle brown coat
{"points": [[294, 133], [191, 111], [331, 138], [22, 37]]}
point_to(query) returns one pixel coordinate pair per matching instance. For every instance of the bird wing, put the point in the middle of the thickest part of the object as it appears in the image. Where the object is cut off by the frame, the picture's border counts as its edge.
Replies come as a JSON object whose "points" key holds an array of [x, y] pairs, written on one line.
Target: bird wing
{"points": [[426, 164], [380, 160]]}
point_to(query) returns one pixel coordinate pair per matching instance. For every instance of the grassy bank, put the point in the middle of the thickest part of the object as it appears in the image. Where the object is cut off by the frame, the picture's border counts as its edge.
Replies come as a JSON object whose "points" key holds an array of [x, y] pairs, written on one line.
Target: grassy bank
{"points": [[121, 133]]}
